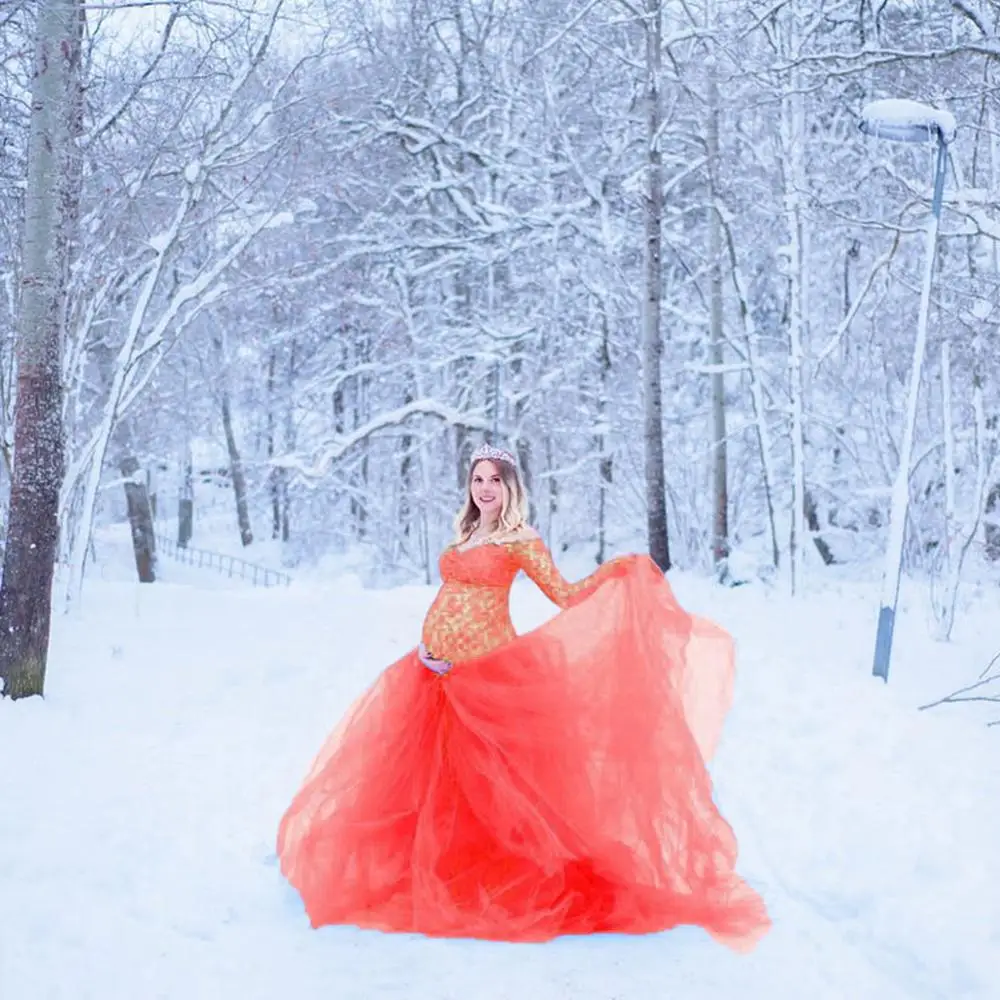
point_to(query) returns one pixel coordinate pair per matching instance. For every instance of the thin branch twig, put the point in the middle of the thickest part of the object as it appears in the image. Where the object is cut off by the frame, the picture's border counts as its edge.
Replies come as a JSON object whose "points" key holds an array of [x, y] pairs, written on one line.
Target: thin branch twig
{"points": [[960, 695]]}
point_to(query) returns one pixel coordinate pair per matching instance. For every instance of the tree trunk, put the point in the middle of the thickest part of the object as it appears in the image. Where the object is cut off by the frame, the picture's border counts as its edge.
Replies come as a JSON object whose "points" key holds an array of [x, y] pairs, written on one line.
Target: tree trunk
{"points": [[339, 402], [236, 472], [289, 438], [793, 143], [462, 377], [140, 517], [522, 444], [812, 522], [553, 497], [274, 476], [185, 504], [407, 484], [757, 397], [185, 493], [720, 476], [606, 459], [33, 515], [992, 526], [139, 503], [652, 343], [359, 502]]}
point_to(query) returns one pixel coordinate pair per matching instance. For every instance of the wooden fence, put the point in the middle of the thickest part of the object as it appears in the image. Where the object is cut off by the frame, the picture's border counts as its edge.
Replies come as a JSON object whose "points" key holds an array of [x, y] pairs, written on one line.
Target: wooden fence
{"points": [[231, 566]]}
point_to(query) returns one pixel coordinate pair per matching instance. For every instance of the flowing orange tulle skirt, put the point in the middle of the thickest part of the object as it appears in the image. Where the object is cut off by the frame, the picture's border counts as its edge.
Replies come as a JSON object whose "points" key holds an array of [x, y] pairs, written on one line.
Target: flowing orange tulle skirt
{"points": [[556, 785]]}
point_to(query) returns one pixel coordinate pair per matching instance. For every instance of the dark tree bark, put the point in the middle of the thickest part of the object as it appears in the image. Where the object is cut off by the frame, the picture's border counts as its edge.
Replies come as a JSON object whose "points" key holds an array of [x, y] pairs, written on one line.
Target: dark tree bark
{"points": [[812, 522], [992, 528], [32, 531], [50, 197], [140, 517]]}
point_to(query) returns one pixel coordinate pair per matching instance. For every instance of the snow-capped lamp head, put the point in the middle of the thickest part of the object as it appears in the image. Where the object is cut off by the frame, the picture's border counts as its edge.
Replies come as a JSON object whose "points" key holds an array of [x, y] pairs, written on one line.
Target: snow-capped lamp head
{"points": [[907, 121], [910, 121]]}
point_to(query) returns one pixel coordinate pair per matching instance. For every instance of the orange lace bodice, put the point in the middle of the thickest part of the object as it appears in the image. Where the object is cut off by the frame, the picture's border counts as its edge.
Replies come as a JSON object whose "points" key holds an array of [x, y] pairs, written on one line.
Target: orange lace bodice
{"points": [[471, 615]]}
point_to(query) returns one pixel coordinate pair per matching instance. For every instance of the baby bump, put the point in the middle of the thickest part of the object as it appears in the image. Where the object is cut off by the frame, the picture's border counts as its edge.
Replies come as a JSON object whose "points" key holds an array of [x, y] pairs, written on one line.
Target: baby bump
{"points": [[467, 621]]}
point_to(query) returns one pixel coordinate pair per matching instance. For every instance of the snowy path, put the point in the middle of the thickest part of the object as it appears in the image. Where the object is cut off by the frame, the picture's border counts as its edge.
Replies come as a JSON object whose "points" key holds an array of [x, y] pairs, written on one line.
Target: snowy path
{"points": [[139, 804]]}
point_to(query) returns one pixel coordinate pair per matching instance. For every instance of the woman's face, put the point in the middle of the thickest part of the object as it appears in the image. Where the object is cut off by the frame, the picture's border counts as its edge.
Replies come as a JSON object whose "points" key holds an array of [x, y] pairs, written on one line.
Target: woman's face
{"points": [[488, 490]]}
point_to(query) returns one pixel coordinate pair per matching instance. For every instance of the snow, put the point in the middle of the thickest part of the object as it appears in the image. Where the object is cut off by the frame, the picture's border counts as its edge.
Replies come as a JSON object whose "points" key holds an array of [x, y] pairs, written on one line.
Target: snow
{"points": [[280, 219], [261, 113], [160, 241], [898, 113], [141, 799]]}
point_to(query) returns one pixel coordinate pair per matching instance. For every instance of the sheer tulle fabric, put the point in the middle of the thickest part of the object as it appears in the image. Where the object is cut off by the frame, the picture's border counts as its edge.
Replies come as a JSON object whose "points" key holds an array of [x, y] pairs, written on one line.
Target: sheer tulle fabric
{"points": [[556, 785]]}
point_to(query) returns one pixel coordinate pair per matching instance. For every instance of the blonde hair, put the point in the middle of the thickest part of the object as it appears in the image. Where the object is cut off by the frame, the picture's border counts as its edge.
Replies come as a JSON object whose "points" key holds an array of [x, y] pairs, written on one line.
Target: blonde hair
{"points": [[513, 512]]}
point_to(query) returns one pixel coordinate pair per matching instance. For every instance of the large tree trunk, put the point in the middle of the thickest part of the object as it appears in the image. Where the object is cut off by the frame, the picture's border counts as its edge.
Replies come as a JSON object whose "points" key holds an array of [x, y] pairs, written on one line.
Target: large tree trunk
{"points": [[652, 343], [33, 518], [236, 472]]}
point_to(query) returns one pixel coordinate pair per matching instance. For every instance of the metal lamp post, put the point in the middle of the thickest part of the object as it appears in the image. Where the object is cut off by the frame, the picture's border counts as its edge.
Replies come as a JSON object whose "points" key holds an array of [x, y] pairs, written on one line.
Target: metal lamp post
{"points": [[907, 121]]}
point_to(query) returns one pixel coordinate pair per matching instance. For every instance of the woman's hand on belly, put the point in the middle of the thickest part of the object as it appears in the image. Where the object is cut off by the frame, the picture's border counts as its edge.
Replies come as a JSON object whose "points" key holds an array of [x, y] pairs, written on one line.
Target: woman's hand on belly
{"points": [[432, 663]]}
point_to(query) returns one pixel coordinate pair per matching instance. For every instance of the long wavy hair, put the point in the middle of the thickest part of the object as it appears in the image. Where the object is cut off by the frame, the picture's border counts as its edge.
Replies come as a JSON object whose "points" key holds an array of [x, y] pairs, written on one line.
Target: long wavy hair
{"points": [[513, 511]]}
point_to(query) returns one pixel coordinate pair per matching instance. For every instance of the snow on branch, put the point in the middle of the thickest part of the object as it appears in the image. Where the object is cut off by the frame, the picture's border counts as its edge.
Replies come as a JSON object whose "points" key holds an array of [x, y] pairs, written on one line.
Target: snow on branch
{"points": [[976, 14], [338, 447], [109, 120], [844, 325]]}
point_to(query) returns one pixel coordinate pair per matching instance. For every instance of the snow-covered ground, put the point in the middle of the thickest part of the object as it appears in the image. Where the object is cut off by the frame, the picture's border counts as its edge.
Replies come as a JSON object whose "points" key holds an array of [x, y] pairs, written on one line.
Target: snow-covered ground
{"points": [[139, 801]]}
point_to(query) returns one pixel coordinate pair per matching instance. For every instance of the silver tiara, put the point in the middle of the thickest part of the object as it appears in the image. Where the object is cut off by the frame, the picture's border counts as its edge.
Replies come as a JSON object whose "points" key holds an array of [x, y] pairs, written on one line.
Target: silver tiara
{"points": [[490, 453]]}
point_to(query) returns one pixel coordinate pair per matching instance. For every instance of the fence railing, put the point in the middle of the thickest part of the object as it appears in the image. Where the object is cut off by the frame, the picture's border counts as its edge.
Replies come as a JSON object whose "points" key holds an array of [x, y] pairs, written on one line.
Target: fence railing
{"points": [[233, 566]]}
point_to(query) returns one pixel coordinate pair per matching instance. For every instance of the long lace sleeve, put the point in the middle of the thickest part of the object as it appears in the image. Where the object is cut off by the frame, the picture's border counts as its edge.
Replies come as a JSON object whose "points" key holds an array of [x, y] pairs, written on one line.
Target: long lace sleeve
{"points": [[535, 559]]}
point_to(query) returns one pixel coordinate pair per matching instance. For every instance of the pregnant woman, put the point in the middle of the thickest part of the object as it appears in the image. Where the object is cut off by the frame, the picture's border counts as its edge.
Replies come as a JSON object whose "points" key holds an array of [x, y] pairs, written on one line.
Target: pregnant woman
{"points": [[518, 788]]}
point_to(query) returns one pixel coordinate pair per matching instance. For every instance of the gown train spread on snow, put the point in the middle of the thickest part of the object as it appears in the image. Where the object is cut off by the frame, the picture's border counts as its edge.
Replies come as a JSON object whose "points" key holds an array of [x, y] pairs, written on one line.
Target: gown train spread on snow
{"points": [[550, 783]]}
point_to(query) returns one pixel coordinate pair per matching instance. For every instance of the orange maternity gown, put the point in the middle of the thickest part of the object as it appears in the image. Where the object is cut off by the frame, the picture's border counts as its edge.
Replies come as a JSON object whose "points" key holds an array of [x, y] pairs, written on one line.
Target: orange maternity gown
{"points": [[550, 783]]}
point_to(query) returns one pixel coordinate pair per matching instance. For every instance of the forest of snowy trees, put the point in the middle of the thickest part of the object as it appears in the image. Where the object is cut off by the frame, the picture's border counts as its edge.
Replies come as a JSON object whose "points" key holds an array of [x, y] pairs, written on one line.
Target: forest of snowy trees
{"points": [[319, 249]]}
